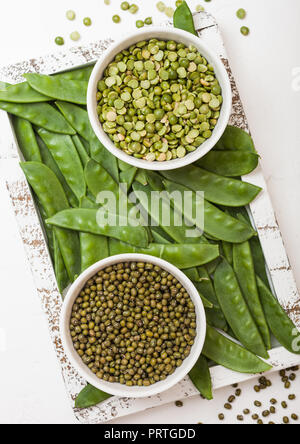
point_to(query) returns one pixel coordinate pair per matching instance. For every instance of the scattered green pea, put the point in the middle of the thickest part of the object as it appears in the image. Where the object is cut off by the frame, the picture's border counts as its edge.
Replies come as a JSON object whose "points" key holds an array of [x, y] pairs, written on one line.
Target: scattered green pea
{"points": [[70, 15], [148, 21], [246, 412], [140, 24], [107, 2], [87, 21], [285, 420], [284, 405], [75, 36], [221, 417], [228, 406], [265, 413], [231, 399], [294, 417], [161, 6], [273, 401], [257, 403], [240, 418], [169, 12], [292, 397], [245, 30], [60, 41], [238, 392], [133, 9], [241, 14], [116, 19], [255, 417], [125, 6]]}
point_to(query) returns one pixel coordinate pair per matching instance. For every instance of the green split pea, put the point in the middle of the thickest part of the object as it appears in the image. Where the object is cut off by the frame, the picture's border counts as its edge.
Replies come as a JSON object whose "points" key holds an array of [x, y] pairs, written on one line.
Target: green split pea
{"points": [[159, 100]]}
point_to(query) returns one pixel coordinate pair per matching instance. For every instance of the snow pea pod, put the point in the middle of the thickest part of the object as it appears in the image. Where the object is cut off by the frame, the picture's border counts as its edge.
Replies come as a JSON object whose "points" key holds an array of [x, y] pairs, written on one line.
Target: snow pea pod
{"points": [[259, 260], [22, 93], [236, 310], [84, 157], [61, 274], [216, 222], [4, 85], [79, 120], [123, 166], [182, 256], [85, 220], [74, 91], [40, 114], [93, 247], [235, 139], [279, 322], [228, 252], [177, 233], [49, 161], [52, 197], [76, 74], [230, 355], [201, 378], [219, 190], [229, 163], [128, 176], [98, 179], [89, 397], [65, 155], [183, 18], [244, 269], [27, 140], [216, 319], [87, 203]]}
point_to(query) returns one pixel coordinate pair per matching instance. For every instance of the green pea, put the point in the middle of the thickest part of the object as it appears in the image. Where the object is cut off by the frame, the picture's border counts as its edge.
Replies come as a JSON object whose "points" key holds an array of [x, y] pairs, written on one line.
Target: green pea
{"points": [[245, 30], [133, 9], [140, 24], [87, 21], [241, 13], [59, 41], [148, 21], [70, 15], [125, 6], [116, 19], [75, 36]]}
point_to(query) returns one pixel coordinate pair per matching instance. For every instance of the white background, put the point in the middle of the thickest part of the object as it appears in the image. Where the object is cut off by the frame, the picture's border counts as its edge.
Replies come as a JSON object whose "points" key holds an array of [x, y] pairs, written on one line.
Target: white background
{"points": [[31, 386]]}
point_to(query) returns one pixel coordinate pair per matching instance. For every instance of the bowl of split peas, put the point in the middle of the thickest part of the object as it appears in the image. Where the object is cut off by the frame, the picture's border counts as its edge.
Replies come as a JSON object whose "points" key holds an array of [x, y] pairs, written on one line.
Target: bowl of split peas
{"points": [[159, 99], [133, 325]]}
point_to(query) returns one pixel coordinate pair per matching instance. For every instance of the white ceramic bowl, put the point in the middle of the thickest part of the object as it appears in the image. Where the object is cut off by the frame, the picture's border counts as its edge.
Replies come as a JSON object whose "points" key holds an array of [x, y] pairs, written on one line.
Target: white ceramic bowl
{"points": [[163, 34], [115, 388]]}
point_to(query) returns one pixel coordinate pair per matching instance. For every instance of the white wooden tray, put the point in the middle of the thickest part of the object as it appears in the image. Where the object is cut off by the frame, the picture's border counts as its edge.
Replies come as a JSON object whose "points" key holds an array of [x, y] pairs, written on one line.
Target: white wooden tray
{"points": [[38, 256]]}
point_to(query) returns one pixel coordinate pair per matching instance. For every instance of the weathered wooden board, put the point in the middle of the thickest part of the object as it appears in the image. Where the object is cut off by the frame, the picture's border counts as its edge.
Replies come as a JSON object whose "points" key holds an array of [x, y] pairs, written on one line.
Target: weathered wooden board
{"points": [[40, 262]]}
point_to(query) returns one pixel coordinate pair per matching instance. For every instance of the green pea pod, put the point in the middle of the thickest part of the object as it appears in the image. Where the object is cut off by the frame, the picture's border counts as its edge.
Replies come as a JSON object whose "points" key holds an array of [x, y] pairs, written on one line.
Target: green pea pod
{"points": [[74, 91], [177, 233], [86, 202], [89, 397], [236, 310], [229, 163], [84, 157], [205, 286], [83, 74], [87, 221], [4, 85], [201, 378], [228, 252], [183, 19], [259, 260], [40, 114], [216, 222], [141, 177], [279, 322], [68, 161], [128, 176], [215, 318], [26, 140], [22, 93], [47, 228], [230, 355], [235, 139], [53, 199], [93, 247], [59, 268], [123, 166], [49, 161], [244, 269], [219, 190], [182, 256], [98, 179], [79, 120]]}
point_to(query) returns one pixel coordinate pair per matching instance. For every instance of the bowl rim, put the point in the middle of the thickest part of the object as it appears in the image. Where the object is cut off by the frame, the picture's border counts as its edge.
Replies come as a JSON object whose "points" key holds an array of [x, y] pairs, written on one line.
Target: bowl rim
{"points": [[116, 389], [177, 35]]}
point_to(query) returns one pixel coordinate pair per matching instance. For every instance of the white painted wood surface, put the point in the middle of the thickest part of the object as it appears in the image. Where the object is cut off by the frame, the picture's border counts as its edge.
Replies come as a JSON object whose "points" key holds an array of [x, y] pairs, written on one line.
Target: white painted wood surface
{"points": [[40, 262]]}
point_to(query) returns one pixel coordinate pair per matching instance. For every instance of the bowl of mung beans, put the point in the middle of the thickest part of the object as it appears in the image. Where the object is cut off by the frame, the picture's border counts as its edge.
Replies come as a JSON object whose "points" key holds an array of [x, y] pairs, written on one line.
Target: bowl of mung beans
{"points": [[133, 325], [160, 99]]}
